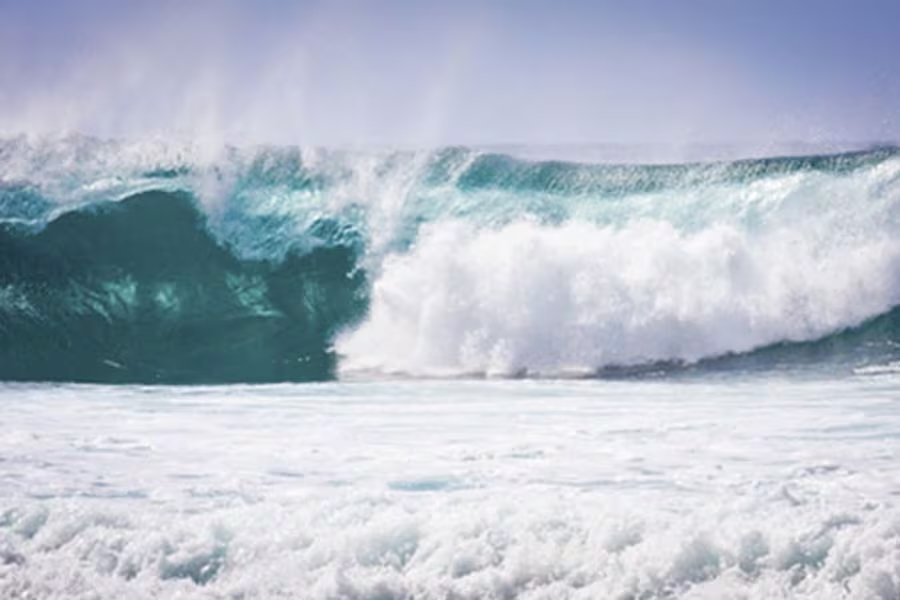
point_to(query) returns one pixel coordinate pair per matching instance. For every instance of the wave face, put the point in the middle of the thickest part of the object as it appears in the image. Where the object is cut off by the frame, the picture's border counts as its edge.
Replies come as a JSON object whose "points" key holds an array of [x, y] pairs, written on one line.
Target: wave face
{"points": [[165, 262]]}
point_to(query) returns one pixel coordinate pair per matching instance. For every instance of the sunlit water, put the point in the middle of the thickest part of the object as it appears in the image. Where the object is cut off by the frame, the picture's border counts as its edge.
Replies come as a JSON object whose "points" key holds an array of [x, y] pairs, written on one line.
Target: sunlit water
{"points": [[729, 488]]}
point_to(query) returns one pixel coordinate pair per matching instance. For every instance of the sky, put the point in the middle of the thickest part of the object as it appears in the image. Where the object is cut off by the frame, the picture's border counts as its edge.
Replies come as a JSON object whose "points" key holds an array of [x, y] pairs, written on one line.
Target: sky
{"points": [[404, 72]]}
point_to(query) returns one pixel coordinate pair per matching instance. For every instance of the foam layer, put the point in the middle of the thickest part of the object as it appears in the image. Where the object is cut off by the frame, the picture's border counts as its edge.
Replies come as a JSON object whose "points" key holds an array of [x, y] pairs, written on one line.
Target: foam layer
{"points": [[381, 547], [512, 489], [692, 275]]}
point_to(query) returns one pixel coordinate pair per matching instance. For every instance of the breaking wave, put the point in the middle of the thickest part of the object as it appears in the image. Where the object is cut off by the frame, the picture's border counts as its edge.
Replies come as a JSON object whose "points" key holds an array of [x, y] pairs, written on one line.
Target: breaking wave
{"points": [[126, 262]]}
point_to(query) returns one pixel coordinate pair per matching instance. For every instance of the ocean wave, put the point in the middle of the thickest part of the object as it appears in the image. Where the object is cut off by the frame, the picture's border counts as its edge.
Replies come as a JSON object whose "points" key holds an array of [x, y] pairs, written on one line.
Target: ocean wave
{"points": [[174, 262]]}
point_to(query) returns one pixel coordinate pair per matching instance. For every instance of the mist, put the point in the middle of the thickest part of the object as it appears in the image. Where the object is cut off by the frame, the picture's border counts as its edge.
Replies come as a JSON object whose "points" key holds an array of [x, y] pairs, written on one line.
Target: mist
{"points": [[423, 74]]}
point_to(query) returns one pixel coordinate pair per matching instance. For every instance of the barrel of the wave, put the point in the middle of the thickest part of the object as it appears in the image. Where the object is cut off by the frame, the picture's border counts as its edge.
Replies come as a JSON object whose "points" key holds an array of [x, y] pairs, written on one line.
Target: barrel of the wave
{"points": [[140, 290]]}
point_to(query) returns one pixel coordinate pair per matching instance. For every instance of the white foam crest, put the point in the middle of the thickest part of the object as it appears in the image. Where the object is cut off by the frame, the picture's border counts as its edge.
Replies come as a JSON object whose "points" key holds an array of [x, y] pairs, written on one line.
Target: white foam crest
{"points": [[73, 170], [384, 183], [889, 368], [379, 183], [818, 253]]}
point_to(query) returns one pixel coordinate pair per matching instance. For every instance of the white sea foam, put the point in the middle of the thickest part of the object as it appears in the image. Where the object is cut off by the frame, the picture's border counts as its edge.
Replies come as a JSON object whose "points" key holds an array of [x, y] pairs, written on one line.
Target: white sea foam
{"points": [[512, 489], [690, 274], [889, 368], [383, 547]]}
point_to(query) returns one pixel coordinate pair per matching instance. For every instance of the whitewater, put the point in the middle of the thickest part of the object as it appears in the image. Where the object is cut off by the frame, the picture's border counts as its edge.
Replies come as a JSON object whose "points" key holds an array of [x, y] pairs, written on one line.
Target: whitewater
{"points": [[261, 372]]}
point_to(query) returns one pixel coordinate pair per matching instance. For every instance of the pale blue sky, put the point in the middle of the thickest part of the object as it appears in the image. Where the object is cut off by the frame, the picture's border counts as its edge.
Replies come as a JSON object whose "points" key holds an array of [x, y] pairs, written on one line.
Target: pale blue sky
{"points": [[405, 72]]}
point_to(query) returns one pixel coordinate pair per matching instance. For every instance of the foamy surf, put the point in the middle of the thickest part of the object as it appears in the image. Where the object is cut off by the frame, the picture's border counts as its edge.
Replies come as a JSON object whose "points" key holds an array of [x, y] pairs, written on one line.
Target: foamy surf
{"points": [[397, 490]]}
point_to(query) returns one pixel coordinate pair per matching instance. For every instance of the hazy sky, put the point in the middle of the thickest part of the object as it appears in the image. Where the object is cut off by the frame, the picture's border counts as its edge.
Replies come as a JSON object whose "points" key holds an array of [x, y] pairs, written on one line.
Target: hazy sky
{"points": [[407, 72]]}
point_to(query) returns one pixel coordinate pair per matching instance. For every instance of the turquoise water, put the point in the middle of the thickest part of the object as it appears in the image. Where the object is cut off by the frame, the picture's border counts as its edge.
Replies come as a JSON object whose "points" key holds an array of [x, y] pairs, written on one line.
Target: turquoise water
{"points": [[174, 263]]}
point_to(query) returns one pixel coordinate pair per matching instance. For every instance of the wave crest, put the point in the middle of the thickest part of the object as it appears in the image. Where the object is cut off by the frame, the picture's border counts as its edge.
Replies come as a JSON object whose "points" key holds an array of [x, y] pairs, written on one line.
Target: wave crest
{"points": [[159, 262]]}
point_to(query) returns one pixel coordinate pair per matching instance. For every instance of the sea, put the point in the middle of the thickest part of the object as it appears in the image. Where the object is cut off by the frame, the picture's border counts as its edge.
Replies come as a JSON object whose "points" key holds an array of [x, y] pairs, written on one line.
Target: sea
{"points": [[238, 372]]}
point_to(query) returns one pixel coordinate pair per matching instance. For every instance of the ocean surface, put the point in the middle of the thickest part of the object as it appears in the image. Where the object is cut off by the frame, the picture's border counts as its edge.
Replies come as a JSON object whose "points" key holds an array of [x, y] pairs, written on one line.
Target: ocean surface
{"points": [[276, 372]]}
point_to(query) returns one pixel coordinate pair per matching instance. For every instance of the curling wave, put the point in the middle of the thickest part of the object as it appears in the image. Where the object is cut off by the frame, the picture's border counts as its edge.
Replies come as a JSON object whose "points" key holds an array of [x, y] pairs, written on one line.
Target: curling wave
{"points": [[171, 263]]}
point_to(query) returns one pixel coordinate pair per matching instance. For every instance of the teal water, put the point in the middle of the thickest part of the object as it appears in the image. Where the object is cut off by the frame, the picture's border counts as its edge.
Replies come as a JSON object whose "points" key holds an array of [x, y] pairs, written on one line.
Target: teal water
{"points": [[174, 263]]}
